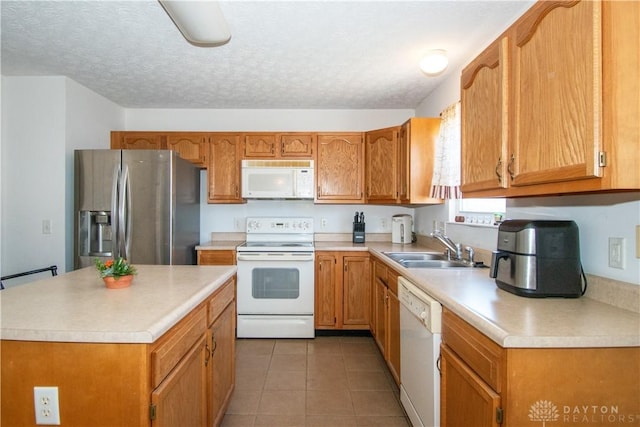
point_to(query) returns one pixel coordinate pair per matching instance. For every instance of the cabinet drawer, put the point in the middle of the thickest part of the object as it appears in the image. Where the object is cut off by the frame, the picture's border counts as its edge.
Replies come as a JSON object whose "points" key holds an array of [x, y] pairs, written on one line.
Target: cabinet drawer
{"points": [[380, 271], [216, 257], [176, 343], [392, 280], [221, 300], [484, 356]]}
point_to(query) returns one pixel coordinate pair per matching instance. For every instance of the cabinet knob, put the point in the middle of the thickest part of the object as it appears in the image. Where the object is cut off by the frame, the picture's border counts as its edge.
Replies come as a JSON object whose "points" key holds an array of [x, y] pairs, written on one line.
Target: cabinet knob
{"points": [[498, 166]]}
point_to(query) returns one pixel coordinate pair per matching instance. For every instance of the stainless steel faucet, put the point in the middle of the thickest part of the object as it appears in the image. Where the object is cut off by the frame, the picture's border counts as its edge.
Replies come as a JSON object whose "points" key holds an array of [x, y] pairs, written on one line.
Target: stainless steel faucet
{"points": [[454, 249]]}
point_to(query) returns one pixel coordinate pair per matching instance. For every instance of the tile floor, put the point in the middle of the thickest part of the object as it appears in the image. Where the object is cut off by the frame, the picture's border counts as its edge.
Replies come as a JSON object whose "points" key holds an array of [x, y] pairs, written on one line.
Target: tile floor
{"points": [[321, 382]]}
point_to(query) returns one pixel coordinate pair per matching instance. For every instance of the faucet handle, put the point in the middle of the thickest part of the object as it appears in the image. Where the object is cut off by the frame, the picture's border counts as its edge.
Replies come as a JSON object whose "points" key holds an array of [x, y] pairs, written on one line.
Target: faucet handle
{"points": [[471, 253]]}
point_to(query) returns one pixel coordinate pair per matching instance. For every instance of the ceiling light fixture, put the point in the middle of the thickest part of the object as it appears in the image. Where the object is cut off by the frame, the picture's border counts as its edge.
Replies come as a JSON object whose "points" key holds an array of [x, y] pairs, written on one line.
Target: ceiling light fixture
{"points": [[434, 62], [200, 22]]}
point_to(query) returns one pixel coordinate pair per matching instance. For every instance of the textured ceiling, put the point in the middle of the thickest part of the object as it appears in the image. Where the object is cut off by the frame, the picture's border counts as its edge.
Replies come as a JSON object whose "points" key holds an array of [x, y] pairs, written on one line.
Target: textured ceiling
{"points": [[282, 54]]}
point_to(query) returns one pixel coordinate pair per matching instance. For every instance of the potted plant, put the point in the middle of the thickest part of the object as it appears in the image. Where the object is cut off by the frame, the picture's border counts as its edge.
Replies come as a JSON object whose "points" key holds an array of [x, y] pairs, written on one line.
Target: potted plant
{"points": [[116, 273]]}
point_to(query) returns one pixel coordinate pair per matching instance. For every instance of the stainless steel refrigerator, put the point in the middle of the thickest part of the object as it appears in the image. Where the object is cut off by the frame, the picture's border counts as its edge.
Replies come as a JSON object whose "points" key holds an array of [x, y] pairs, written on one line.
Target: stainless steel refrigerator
{"points": [[142, 205]]}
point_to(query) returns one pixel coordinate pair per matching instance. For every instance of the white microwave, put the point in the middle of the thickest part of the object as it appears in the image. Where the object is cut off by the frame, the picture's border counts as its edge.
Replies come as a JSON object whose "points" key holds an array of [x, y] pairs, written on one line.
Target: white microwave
{"points": [[277, 179]]}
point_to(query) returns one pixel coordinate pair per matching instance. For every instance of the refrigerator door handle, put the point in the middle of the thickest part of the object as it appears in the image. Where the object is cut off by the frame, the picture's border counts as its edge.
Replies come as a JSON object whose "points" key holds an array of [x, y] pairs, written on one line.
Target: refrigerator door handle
{"points": [[115, 224], [128, 228], [121, 213]]}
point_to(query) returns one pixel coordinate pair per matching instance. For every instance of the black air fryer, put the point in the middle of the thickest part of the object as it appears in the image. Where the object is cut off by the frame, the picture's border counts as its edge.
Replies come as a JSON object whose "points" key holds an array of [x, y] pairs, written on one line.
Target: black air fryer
{"points": [[538, 259]]}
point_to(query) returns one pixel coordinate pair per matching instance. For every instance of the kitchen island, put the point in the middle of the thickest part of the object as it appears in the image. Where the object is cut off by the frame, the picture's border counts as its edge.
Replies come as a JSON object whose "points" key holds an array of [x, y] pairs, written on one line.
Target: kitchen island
{"points": [[124, 356]]}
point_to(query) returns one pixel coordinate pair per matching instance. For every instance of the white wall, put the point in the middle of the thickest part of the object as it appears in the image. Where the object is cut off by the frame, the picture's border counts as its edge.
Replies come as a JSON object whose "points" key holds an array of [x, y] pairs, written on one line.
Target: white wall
{"points": [[264, 120], [43, 120], [33, 188], [597, 216]]}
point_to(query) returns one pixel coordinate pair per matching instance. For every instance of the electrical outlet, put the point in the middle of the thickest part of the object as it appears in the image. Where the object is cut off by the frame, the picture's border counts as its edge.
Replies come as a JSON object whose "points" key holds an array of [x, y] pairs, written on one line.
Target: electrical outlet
{"points": [[637, 241], [383, 223], [616, 252], [46, 226], [238, 224], [46, 406], [323, 223]]}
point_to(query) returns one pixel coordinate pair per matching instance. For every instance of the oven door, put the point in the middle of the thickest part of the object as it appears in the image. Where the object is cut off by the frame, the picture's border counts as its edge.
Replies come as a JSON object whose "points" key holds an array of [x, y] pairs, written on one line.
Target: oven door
{"points": [[275, 283]]}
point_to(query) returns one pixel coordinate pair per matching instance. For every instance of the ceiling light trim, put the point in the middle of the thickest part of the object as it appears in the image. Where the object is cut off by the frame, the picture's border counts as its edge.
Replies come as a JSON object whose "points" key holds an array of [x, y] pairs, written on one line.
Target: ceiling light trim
{"points": [[200, 22]]}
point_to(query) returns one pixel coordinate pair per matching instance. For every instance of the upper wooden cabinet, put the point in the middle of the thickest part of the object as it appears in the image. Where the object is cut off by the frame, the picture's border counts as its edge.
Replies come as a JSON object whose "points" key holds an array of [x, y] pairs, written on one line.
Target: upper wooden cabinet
{"points": [[138, 140], [381, 165], [223, 168], [399, 162], [484, 130], [278, 145], [562, 85], [339, 168], [190, 146]]}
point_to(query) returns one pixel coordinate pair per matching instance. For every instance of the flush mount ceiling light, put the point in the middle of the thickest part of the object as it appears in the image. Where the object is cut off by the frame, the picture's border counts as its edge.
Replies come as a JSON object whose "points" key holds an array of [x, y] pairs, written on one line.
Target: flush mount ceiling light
{"points": [[434, 62], [200, 22]]}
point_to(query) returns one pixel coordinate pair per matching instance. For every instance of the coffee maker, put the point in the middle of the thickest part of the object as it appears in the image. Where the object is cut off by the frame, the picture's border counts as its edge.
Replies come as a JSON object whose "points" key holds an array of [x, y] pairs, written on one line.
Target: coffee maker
{"points": [[536, 258]]}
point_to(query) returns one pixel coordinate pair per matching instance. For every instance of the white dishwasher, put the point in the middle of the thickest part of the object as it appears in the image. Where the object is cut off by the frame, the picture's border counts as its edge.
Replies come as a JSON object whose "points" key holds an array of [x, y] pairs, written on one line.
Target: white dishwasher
{"points": [[420, 335]]}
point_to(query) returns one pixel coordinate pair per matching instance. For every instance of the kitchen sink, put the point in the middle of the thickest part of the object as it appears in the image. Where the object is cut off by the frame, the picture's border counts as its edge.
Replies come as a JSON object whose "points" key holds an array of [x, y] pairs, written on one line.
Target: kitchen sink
{"points": [[415, 256], [425, 260]]}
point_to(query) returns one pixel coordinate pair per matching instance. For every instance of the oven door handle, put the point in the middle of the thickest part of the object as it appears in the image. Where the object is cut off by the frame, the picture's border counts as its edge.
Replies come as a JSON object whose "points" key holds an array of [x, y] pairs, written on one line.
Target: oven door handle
{"points": [[285, 256]]}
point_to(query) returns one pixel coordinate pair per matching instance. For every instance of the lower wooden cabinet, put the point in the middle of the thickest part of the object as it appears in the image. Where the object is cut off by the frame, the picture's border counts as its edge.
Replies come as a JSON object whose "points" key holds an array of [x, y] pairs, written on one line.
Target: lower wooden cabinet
{"points": [[385, 315], [342, 290], [181, 399], [465, 399], [221, 364], [197, 389], [484, 384]]}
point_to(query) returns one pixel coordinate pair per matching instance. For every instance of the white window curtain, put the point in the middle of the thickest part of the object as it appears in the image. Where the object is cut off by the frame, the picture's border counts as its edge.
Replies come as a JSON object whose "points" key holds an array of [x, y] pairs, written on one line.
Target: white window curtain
{"points": [[445, 183]]}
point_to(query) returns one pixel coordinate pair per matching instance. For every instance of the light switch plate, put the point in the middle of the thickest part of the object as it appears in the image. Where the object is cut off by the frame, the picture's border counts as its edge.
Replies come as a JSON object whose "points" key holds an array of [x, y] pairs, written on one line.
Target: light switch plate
{"points": [[616, 252]]}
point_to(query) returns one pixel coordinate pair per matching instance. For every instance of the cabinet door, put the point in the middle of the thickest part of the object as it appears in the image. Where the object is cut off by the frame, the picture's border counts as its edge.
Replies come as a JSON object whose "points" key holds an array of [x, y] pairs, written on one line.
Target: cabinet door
{"points": [[326, 293], [142, 141], [339, 168], [380, 310], [221, 364], [181, 398], [465, 400], [484, 120], [356, 285], [223, 170], [260, 146], [381, 153], [557, 93], [393, 334], [403, 171], [190, 146], [296, 145]]}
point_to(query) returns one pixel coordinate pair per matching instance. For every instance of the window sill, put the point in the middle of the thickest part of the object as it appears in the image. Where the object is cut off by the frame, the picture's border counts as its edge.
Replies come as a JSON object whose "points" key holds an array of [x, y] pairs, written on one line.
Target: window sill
{"points": [[474, 224]]}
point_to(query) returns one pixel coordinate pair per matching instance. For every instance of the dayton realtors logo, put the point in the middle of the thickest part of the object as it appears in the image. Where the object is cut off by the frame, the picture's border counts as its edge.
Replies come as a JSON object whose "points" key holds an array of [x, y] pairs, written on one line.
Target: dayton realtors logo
{"points": [[546, 411], [543, 410]]}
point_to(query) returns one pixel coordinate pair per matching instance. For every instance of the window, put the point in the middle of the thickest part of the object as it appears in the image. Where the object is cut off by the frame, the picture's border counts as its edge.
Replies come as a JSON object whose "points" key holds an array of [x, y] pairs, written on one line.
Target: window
{"points": [[479, 211]]}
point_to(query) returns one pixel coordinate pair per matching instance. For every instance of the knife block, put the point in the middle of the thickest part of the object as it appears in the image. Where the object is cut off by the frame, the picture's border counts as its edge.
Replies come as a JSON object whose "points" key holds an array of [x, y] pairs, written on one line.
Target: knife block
{"points": [[358, 232]]}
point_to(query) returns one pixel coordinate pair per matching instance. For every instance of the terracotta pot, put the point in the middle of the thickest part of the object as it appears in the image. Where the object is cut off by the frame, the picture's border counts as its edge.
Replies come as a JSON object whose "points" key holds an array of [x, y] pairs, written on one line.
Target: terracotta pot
{"points": [[118, 283]]}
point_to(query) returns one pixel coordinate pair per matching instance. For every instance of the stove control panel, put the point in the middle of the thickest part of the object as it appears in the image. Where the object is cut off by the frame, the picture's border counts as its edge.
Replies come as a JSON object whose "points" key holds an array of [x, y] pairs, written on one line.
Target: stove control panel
{"points": [[280, 225]]}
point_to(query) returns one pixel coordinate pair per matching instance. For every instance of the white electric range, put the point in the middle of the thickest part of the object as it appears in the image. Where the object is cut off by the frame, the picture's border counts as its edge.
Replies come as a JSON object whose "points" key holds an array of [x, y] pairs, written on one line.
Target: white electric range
{"points": [[276, 279]]}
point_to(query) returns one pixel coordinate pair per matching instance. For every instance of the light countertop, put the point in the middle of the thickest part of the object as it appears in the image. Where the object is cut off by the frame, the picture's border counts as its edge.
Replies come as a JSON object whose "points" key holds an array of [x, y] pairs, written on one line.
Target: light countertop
{"points": [[511, 320], [77, 307]]}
